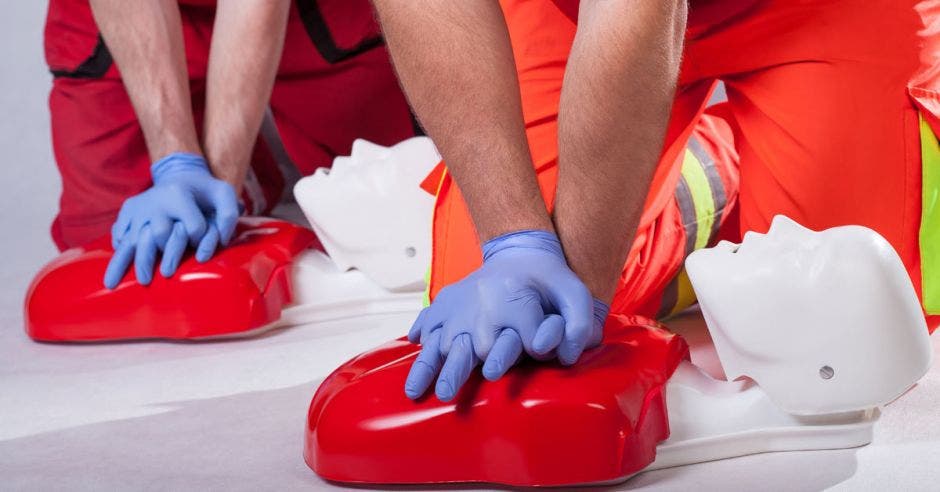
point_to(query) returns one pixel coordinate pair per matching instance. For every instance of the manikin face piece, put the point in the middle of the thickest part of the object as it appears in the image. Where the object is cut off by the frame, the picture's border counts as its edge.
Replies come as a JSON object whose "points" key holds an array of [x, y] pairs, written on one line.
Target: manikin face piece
{"points": [[370, 212], [824, 322]]}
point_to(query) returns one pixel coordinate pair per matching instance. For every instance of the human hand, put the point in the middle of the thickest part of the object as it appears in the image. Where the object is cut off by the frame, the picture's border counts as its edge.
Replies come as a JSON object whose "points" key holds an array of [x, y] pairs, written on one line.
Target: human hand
{"points": [[524, 297], [186, 206]]}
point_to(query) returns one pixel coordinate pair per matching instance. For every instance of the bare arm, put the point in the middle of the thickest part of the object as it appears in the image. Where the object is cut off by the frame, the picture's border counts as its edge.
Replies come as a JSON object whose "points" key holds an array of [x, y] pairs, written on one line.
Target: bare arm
{"points": [[146, 40], [247, 42], [455, 63], [615, 105]]}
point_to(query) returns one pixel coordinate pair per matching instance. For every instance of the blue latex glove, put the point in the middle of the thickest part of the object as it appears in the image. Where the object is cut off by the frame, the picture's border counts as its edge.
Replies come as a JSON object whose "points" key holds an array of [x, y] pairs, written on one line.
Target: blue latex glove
{"points": [[185, 206], [524, 297]]}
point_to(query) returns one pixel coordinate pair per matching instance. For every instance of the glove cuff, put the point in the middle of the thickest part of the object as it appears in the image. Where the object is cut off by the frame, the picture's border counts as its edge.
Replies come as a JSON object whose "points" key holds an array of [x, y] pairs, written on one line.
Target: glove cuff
{"points": [[529, 238], [178, 161], [601, 310]]}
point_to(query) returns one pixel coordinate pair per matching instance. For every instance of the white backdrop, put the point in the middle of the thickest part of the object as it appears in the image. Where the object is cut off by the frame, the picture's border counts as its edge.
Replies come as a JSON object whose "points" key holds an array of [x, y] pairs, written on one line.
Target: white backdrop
{"points": [[30, 182], [230, 415]]}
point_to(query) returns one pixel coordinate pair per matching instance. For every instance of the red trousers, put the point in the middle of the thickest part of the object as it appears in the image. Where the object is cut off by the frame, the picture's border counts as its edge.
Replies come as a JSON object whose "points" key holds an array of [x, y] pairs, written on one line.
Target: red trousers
{"points": [[334, 84], [821, 124]]}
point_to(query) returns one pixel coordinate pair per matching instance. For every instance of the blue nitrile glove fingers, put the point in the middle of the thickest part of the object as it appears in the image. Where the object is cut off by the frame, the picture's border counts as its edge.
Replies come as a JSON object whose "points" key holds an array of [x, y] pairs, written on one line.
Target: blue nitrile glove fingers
{"points": [[208, 244], [522, 273], [146, 256], [549, 336], [523, 281], [174, 250], [426, 367], [574, 345], [155, 210], [508, 346], [503, 355], [428, 320], [506, 304], [120, 261], [184, 193], [457, 368]]}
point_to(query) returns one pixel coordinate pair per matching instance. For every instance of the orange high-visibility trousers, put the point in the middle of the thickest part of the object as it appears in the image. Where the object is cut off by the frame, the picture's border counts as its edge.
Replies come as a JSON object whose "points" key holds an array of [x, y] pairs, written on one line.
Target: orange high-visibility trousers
{"points": [[823, 123]]}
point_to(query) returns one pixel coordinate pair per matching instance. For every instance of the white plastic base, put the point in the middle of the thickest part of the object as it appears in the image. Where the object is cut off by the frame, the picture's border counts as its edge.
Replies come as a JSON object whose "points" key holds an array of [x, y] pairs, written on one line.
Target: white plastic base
{"points": [[711, 419], [323, 292]]}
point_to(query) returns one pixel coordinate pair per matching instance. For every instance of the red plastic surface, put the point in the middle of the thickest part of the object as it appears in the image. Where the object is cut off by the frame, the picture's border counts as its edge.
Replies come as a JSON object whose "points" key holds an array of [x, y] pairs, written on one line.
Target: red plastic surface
{"points": [[243, 287], [541, 424]]}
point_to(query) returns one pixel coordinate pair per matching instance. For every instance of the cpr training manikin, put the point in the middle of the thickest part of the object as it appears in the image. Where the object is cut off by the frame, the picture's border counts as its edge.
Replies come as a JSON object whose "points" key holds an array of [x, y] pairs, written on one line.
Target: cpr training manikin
{"points": [[815, 331]]}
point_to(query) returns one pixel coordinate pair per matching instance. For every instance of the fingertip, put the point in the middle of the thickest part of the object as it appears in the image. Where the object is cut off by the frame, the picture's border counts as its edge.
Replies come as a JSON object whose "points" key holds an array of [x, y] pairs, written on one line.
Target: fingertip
{"points": [[207, 245], [144, 274], [569, 353], [505, 353], [444, 390], [144, 277], [419, 378], [457, 368], [169, 265], [174, 250], [493, 369], [549, 334], [117, 267], [226, 226], [226, 212]]}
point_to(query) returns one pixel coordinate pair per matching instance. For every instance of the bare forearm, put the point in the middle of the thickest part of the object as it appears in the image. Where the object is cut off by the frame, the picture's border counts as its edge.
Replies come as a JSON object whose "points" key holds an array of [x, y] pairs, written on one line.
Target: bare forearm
{"points": [[247, 42], [615, 105], [146, 40], [455, 62]]}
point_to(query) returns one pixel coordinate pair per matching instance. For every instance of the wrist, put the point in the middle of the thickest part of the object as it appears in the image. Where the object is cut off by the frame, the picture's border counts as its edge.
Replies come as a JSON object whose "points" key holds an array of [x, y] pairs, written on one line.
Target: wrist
{"points": [[177, 137], [537, 239], [178, 161], [234, 177], [231, 167]]}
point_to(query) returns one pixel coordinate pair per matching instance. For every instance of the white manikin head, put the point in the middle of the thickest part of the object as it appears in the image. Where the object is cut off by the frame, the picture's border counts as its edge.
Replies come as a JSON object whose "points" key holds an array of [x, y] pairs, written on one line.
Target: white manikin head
{"points": [[370, 213], [824, 322]]}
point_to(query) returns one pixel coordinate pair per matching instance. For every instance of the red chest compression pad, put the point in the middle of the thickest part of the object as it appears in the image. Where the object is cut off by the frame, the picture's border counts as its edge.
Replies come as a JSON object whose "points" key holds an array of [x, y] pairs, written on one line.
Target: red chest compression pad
{"points": [[541, 424], [242, 288]]}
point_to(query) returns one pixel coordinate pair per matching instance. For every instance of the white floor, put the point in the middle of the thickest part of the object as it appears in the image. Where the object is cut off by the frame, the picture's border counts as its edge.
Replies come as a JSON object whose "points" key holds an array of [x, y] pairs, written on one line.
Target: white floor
{"points": [[230, 415]]}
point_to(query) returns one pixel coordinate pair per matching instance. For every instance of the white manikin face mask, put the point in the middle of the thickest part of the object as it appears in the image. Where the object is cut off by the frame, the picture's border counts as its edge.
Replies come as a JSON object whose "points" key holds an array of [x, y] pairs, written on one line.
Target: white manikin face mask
{"points": [[370, 212], [824, 322]]}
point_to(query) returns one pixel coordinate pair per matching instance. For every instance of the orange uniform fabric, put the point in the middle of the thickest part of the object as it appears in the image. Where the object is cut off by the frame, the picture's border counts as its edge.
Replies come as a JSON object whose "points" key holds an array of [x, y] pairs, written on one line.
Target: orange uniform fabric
{"points": [[821, 123]]}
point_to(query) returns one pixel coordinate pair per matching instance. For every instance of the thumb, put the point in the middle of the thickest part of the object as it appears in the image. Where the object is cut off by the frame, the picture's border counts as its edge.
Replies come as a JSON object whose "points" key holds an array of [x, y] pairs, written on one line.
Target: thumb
{"points": [[575, 304]]}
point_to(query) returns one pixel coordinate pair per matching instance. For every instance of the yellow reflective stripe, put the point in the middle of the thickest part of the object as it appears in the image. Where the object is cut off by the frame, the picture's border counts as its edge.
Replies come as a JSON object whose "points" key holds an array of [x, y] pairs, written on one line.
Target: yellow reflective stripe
{"points": [[685, 294], [701, 196], [426, 299], [697, 191], [714, 182], [930, 219]]}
